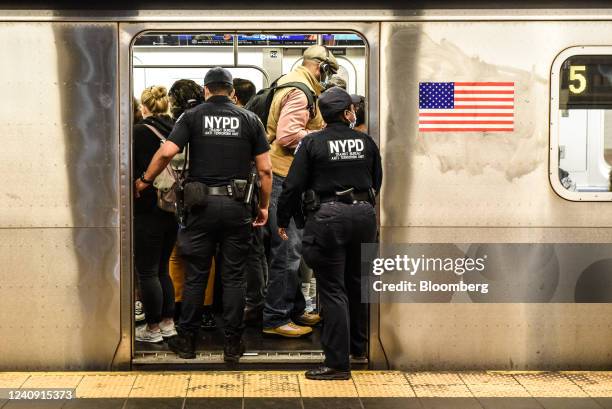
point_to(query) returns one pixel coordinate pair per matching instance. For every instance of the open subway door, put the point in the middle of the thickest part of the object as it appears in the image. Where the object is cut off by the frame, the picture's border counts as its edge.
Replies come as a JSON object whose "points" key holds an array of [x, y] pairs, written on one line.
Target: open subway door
{"points": [[160, 54]]}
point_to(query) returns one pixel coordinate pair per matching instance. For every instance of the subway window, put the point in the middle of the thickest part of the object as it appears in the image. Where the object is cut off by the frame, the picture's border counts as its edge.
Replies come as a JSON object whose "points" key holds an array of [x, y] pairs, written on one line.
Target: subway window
{"points": [[160, 58], [581, 124]]}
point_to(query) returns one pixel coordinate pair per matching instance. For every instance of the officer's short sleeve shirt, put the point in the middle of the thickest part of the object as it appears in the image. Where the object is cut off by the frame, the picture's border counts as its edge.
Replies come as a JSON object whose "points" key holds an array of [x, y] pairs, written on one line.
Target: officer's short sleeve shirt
{"points": [[260, 140], [181, 131]]}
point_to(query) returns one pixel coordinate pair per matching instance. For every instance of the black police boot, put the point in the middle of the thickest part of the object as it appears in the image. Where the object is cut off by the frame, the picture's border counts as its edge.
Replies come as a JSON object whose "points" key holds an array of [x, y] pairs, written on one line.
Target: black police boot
{"points": [[358, 355], [233, 349], [183, 344], [253, 315], [324, 373], [208, 319]]}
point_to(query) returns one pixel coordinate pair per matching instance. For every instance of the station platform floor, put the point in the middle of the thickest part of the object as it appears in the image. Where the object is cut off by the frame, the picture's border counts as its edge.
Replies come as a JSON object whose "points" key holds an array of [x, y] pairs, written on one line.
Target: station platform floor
{"points": [[290, 390]]}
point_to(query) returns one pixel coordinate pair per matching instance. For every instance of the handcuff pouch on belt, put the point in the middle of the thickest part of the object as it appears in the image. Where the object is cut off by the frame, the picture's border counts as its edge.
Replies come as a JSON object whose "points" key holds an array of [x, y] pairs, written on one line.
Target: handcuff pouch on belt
{"points": [[239, 188], [194, 194], [311, 202]]}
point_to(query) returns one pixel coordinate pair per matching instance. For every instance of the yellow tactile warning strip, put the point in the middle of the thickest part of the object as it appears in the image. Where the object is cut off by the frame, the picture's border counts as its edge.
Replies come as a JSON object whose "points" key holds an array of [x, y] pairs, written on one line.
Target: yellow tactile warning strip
{"points": [[288, 384], [438, 384], [273, 385], [497, 385], [160, 386], [594, 384], [377, 384], [105, 386], [53, 380], [216, 384], [12, 380], [547, 384]]}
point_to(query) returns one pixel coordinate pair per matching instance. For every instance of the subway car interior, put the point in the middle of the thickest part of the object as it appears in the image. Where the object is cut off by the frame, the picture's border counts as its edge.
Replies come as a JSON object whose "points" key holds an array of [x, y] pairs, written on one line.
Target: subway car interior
{"points": [[161, 58]]}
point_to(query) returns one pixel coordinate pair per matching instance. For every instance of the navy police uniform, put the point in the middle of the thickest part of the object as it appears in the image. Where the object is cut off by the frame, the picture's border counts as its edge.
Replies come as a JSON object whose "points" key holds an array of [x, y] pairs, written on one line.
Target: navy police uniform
{"points": [[334, 160], [223, 141]]}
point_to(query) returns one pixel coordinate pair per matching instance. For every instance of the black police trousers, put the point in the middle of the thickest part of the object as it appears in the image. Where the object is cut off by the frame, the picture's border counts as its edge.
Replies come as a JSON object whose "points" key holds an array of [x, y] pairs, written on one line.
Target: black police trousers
{"points": [[226, 223], [256, 270], [332, 247]]}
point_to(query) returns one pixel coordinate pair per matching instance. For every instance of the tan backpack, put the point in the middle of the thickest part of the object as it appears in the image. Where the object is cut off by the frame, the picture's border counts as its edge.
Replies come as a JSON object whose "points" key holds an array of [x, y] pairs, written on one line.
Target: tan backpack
{"points": [[168, 181]]}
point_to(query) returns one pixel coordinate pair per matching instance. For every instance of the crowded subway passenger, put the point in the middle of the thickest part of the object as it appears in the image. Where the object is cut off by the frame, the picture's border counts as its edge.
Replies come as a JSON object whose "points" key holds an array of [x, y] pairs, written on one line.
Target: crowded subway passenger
{"points": [[154, 228], [229, 259], [290, 119]]}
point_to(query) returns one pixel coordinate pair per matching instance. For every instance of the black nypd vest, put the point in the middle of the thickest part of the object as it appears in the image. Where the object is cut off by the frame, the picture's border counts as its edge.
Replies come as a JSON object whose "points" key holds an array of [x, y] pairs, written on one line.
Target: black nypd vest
{"points": [[221, 147], [340, 158]]}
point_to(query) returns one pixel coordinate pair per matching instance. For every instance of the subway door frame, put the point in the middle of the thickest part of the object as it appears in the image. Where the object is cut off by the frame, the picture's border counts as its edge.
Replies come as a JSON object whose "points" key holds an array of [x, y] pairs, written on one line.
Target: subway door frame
{"points": [[369, 31]]}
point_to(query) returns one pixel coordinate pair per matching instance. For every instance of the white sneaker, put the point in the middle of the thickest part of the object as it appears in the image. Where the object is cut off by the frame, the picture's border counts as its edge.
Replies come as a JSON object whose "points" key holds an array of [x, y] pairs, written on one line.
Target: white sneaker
{"points": [[143, 334], [167, 330], [138, 312]]}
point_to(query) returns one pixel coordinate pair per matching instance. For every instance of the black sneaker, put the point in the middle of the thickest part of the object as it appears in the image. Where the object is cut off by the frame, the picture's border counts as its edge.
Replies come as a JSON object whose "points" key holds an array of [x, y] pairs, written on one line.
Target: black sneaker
{"points": [[324, 373], [208, 320], [183, 344], [233, 348]]}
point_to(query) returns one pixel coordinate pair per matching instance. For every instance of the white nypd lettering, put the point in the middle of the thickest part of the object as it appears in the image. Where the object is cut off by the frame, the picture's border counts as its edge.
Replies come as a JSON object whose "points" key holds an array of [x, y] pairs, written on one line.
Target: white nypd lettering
{"points": [[215, 125], [346, 149]]}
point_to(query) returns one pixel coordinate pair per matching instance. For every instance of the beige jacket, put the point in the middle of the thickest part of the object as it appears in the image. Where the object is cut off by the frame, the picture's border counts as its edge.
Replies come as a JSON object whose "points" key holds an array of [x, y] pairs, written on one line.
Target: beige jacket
{"points": [[288, 121]]}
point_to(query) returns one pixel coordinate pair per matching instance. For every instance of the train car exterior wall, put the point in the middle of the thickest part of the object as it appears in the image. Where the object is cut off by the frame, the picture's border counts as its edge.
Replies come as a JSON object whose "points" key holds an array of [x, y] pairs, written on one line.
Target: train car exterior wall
{"points": [[484, 188], [59, 290]]}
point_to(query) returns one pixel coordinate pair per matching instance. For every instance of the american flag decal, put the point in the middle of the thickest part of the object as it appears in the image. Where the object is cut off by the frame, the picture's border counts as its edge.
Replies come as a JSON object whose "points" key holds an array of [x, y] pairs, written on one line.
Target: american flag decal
{"points": [[466, 106]]}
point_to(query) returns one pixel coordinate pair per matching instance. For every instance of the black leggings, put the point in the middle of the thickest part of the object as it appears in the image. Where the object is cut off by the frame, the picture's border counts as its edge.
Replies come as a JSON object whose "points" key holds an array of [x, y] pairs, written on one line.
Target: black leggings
{"points": [[154, 238]]}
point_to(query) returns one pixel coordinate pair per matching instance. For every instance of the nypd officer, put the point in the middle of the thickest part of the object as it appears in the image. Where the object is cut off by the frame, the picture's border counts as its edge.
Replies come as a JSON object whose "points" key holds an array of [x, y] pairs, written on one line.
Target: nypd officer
{"points": [[223, 142], [339, 172]]}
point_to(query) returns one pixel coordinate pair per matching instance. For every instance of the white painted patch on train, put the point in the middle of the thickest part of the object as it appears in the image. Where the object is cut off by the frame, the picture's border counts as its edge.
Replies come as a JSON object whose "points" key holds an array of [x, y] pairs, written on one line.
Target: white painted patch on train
{"points": [[346, 149], [213, 125]]}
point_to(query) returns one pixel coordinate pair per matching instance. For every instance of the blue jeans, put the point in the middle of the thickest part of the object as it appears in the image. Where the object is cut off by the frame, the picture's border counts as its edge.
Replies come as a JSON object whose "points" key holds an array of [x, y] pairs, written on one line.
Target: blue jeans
{"points": [[284, 299], [256, 271]]}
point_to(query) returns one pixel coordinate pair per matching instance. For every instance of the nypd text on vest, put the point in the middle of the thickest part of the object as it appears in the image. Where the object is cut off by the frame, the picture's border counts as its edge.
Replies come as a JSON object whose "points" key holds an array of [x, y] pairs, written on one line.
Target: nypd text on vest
{"points": [[214, 125], [346, 149]]}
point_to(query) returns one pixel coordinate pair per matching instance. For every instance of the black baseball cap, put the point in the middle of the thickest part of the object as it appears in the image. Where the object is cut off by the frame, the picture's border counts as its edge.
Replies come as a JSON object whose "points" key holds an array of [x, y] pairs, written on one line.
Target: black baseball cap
{"points": [[218, 74], [356, 98], [334, 101]]}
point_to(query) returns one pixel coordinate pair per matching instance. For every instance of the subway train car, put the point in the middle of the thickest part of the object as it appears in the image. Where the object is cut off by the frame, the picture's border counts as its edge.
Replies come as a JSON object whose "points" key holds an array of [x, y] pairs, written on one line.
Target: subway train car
{"points": [[496, 147]]}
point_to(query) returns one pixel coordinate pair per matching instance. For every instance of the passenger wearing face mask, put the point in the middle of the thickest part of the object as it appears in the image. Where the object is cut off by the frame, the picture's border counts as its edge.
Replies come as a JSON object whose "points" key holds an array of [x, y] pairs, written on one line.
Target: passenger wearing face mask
{"points": [[338, 171], [290, 119], [359, 102]]}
